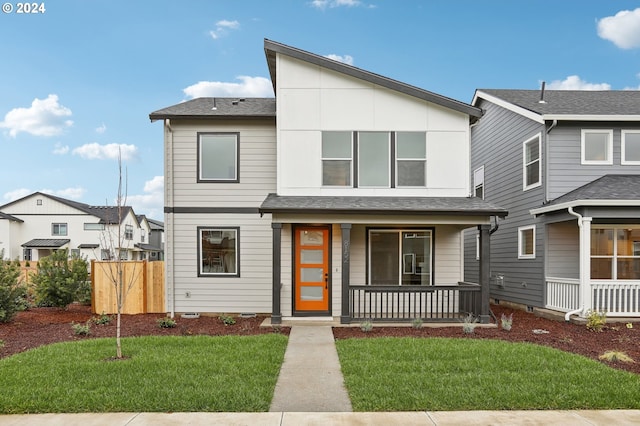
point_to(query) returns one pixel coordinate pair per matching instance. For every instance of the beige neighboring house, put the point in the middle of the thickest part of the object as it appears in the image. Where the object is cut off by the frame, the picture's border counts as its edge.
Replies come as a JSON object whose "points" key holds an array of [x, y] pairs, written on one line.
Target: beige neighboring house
{"points": [[344, 197], [38, 224]]}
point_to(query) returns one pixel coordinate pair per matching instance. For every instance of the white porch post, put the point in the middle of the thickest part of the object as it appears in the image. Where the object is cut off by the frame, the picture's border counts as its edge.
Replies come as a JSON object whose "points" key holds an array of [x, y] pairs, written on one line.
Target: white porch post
{"points": [[585, 264]]}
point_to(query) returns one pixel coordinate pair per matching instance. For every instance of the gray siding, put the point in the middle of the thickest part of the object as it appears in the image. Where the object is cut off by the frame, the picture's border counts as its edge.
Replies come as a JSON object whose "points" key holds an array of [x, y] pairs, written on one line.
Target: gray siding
{"points": [[566, 172], [497, 144], [563, 248]]}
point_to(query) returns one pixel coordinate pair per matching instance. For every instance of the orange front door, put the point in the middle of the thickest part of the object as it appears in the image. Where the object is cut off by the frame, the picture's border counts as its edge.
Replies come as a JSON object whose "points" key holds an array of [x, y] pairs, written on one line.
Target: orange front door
{"points": [[312, 270]]}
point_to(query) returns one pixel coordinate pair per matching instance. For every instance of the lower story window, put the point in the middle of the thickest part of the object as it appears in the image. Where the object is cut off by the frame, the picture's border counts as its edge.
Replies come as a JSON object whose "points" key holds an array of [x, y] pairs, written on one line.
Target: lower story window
{"points": [[26, 254], [400, 257], [527, 242], [218, 250], [615, 253]]}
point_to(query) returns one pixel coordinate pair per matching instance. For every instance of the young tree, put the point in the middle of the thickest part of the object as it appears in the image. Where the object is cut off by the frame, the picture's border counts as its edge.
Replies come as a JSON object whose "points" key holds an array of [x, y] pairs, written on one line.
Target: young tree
{"points": [[114, 240], [11, 289]]}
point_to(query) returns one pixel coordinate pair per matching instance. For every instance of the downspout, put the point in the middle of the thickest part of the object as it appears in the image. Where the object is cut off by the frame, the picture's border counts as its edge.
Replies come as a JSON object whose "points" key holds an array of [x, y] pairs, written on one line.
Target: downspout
{"points": [[169, 202], [581, 301]]}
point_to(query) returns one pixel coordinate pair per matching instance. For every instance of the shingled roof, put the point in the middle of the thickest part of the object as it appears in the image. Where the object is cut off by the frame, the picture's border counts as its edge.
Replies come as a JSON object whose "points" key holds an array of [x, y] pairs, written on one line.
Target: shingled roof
{"points": [[570, 102], [620, 190], [223, 108], [467, 206]]}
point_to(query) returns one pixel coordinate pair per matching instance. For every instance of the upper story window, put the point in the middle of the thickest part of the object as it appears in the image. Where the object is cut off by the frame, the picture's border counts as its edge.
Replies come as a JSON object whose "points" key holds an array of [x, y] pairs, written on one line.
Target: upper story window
{"points": [[597, 146], [128, 232], [337, 158], [630, 147], [532, 166], [59, 229], [374, 150], [374, 159], [411, 154], [218, 157], [94, 226], [478, 182]]}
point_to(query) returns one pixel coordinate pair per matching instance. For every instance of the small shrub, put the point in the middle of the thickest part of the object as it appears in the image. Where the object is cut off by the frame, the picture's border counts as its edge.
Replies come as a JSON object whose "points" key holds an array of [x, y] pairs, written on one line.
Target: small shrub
{"points": [[60, 278], [227, 319], [166, 322], [469, 324], [616, 356], [629, 325], [81, 329], [12, 292], [416, 323], [506, 321], [596, 321], [366, 326], [1, 343], [103, 319]]}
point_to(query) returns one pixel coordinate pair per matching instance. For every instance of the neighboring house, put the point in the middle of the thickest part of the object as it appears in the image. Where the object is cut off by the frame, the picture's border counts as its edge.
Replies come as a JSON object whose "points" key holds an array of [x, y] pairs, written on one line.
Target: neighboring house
{"points": [[38, 224], [566, 164], [151, 244], [346, 198]]}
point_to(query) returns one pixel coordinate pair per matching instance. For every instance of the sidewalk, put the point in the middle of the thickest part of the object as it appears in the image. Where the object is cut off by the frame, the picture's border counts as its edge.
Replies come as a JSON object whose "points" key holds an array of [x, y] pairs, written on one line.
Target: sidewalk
{"points": [[418, 418]]}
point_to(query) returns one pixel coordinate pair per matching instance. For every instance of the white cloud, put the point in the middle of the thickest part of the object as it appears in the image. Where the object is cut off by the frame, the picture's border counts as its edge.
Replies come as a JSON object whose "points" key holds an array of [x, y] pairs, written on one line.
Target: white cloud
{"points": [[623, 29], [574, 82], [223, 27], [249, 87], [101, 129], [68, 193], [151, 203], [60, 149], [95, 151], [346, 59], [323, 4], [16, 194], [45, 117]]}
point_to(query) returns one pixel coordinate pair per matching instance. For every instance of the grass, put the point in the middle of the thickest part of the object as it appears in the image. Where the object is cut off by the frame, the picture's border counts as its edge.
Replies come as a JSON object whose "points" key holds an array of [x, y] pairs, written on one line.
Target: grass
{"points": [[408, 374], [176, 373]]}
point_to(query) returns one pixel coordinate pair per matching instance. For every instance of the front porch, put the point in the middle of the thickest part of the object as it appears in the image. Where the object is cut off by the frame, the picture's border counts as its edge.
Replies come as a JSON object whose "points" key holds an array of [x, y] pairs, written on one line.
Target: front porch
{"points": [[617, 299], [395, 261]]}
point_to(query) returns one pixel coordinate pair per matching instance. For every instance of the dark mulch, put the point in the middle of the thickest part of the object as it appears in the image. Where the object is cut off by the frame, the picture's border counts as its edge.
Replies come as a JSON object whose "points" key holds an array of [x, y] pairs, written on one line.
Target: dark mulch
{"points": [[41, 326]]}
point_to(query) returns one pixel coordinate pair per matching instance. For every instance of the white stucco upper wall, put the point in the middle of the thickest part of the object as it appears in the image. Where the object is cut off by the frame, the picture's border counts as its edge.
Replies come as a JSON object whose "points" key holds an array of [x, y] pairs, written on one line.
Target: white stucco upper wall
{"points": [[312, 99]]}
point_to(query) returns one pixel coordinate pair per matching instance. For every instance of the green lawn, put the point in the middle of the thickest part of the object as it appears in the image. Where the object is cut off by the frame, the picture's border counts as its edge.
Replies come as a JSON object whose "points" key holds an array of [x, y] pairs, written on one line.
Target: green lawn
{"points": [[409, 374], [190, 373]]}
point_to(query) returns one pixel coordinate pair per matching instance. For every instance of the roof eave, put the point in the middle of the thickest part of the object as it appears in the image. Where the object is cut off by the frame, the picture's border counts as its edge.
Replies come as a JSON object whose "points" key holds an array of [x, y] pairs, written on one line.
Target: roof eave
{"points": [[585, 203], [157, 117], [591, 117]]}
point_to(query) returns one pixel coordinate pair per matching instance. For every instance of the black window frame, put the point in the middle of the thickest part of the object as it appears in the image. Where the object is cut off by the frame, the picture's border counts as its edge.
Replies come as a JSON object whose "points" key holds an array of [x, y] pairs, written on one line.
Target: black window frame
{"points": [[199, 251]]}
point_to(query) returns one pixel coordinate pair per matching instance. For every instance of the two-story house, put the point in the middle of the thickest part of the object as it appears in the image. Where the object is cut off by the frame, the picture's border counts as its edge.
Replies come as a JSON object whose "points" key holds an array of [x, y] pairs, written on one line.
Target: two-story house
{"points": [[566, 164], [34, 226], [345, 196]]}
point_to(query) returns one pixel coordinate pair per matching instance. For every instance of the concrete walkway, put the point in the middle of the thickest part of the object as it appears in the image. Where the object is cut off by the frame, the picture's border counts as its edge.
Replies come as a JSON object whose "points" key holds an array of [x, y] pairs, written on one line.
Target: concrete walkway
{"points": [[417, 418], [310, 378]]}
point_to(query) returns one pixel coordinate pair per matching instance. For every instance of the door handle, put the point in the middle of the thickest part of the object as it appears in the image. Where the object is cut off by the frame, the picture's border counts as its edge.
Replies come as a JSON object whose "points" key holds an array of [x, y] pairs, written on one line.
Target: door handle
{"points": [[326, 281]]}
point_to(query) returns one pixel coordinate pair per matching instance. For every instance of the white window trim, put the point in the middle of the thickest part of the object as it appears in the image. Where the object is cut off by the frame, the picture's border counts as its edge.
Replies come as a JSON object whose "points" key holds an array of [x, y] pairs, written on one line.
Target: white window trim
{"points": [[609, 159], [478, 246], [521, 229], [526, 187], [623, 138], [478, 180]]}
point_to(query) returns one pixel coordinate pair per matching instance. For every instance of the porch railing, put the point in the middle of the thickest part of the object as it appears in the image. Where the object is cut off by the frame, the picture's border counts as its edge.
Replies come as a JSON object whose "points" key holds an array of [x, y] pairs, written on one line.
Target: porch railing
{"points": [[563, 294], [617, 299], [406, 303]]}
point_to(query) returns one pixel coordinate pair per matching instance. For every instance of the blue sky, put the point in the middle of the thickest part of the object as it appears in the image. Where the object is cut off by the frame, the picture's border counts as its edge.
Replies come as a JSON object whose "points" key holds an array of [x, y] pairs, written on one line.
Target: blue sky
{"points": [[78, 82]]}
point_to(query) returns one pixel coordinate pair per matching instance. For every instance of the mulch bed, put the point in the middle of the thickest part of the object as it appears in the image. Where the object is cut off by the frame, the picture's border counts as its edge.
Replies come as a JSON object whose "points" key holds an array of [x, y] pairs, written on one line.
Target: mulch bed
{"points": [[41, 326]]}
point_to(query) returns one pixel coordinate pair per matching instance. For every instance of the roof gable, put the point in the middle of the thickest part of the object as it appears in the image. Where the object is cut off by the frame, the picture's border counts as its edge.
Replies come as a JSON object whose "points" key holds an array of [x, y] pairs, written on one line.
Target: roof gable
{"points": [[272, 48]]}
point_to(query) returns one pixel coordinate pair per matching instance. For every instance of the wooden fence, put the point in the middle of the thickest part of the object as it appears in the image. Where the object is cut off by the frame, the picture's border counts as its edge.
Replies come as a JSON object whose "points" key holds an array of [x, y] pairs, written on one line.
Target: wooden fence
{"points": [[144, 280]]}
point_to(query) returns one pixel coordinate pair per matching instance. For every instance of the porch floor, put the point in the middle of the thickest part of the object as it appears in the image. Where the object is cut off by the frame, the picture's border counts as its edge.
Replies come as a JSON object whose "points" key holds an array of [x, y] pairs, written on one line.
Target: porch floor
{"points": [[335, 322]]}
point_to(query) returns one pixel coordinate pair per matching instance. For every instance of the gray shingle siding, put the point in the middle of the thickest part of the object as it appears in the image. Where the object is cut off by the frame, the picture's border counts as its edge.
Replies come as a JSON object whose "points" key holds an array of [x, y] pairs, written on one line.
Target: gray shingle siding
{"points": [[497, 144]]}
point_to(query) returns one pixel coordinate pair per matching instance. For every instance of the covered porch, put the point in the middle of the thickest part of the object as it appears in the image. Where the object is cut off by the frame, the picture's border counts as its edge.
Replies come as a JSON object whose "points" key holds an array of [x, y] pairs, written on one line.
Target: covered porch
{"points": [[593, 249], [388, 259]]}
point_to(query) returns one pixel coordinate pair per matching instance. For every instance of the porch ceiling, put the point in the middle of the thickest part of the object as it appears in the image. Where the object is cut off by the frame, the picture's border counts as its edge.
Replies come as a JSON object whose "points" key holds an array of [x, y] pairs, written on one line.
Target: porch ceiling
{"points": [[415, 206]]}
